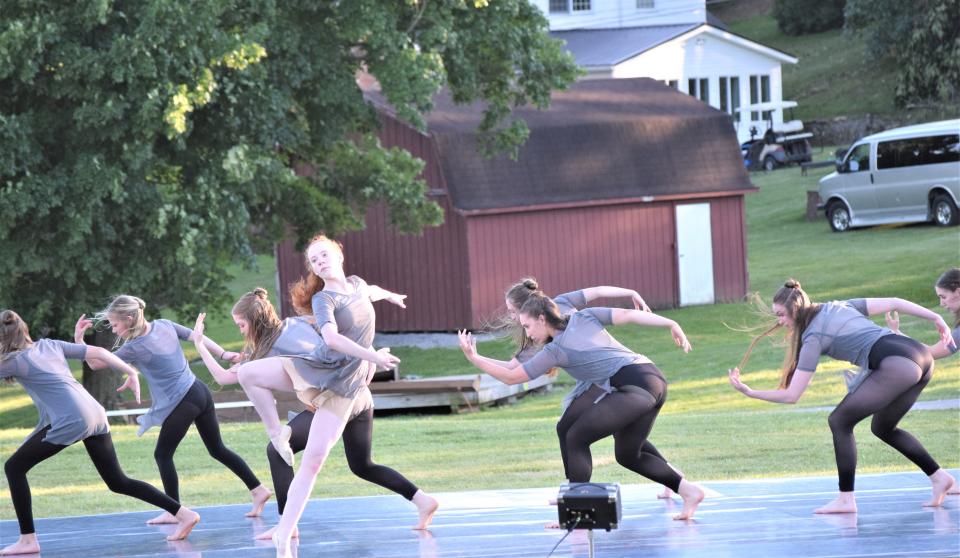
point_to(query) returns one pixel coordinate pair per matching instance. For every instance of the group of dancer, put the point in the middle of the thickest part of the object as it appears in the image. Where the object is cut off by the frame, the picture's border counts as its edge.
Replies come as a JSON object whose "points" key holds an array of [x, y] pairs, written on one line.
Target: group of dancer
{"points": [[326, 356]]}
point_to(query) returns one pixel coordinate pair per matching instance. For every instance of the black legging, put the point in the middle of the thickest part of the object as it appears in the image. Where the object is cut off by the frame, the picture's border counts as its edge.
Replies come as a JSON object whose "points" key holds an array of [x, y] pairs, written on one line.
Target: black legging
{"points": [[901, 368], [104, 456], [357, 445], [628, 414], [196, 407]]}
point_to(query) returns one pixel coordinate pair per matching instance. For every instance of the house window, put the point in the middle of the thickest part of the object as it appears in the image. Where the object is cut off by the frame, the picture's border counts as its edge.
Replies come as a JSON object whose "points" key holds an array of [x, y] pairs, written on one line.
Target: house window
{"points": [[671, 83], [760, 93], [567, 6], [645, 4], [699, 88], [730, 96]]}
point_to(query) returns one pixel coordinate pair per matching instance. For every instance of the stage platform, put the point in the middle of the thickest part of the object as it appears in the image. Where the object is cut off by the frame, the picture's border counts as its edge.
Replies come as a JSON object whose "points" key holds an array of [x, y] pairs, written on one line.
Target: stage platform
{"points": [[756, 519]]}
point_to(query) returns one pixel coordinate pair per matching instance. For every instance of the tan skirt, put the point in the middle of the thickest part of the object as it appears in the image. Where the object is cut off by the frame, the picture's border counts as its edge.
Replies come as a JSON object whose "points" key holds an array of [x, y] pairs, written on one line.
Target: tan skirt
{"points": [[344, 408]]}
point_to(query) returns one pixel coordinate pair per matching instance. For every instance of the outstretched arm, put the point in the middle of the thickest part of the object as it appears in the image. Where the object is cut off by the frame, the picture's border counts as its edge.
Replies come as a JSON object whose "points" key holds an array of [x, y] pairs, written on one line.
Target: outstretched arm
{"points": [[336, 341], [883, 305], [379, 293], [940, 350], [620, 316], [113, 361], [220, 374], [509, 376], [798, 384], [82, 325], [593, 293]]}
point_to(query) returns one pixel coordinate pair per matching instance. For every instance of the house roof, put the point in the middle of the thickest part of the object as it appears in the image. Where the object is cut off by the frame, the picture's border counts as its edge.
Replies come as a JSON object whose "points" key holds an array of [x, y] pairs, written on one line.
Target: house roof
{"points": [[605, 139], [609, 47]]}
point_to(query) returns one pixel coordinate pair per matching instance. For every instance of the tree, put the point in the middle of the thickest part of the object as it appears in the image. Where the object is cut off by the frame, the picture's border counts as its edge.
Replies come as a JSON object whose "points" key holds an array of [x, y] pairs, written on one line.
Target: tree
{"points": [[145, 145], [922, 36], [800, 17]]}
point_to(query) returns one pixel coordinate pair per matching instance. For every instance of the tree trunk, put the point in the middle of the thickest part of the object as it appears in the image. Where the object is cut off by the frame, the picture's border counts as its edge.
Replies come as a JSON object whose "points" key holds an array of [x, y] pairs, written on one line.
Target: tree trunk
{"points": [[102, 384]]}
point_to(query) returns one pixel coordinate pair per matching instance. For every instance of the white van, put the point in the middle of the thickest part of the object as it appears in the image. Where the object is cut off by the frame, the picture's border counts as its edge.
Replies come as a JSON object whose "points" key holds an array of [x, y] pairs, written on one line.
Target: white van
{"points": [[904, 175]]}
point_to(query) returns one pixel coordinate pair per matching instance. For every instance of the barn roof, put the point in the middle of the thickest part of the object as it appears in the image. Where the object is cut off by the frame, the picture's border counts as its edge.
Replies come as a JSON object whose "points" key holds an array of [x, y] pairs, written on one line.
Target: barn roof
{"points": [[604, 139]]}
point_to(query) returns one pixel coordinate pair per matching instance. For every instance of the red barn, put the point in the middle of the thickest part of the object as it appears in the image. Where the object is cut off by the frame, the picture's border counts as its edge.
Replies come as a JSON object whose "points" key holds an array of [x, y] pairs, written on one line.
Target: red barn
{"points": [[622, 182]]}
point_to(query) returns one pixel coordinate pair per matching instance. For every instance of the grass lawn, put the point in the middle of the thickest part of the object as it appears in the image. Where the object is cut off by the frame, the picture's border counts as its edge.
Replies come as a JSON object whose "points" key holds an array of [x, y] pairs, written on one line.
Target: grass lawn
{"points": [[706, 428]]}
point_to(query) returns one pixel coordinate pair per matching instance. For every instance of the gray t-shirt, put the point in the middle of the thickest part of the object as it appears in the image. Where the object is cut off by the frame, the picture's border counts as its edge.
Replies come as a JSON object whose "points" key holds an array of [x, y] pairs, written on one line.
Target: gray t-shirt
{"points": [[586, 351], [956, 341], [355, 319], [297, 337], [568, 303], [159, 357], [843, 331], [63, 404]]}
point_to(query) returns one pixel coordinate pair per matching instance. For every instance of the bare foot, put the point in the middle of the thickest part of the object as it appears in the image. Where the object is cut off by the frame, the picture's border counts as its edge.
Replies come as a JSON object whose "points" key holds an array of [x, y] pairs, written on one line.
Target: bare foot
{"points": [[955, 490], [26, 544], [163, 519], [426, 507], [844, 503], [942, 482], [692, 496], [268, 534], [260, 495], [187, 519], [282, 544], [281, 442], [666, 494]]}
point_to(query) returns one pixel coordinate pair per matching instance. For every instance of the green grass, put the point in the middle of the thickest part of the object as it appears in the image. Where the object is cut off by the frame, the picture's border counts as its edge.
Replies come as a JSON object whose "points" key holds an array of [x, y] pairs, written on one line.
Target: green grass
{"points": [[706, 428], [835, 76]]}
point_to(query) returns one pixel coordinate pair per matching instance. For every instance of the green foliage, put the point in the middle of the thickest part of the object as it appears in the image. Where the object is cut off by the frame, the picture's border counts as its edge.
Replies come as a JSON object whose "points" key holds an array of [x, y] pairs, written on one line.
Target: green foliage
{"points": [[800, 17], [146, 145], [922, 37]]}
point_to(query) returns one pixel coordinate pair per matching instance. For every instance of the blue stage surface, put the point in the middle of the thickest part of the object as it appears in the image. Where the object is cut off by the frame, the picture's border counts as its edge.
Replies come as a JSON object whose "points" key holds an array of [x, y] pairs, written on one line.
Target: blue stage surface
{"points": [[756, 519]]}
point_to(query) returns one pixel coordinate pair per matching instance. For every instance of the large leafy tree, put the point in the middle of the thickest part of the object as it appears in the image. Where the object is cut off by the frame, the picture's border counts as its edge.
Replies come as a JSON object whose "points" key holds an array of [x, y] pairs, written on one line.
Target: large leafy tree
{"points": [[922, 36], [147, 144]]}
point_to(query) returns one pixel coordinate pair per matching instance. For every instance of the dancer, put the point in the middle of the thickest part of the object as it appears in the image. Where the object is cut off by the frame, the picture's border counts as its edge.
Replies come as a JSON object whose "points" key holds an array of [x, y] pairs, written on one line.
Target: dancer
{"points": [[567, 303], [265, 335], [618, 392], [332, 379], [179, 398], [894, 370], [68, 414]]}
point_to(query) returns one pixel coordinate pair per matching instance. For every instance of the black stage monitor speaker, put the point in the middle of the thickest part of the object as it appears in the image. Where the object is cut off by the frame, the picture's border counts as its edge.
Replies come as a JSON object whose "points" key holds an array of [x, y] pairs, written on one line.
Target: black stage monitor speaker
{"points": [[589, 505]]}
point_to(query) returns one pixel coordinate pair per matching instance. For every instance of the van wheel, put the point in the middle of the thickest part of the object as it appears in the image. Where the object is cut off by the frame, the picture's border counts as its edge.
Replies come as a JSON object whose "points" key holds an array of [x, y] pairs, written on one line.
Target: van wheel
{"points": [[769, 163], [839, 216], [944, 211]]}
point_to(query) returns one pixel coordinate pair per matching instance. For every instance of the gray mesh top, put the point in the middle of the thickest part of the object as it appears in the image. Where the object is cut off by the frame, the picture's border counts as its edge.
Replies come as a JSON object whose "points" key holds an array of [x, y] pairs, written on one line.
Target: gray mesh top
{"points": [[42, 370], [159, 357], [568, 303], [956, 341], [586, 351], [297, 337], [842, 330], [355, 319]]}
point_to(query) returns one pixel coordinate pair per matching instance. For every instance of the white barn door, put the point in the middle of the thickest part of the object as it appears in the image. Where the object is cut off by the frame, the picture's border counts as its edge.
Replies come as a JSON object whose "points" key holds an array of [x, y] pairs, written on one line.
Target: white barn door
{"points": [[694, 254]]}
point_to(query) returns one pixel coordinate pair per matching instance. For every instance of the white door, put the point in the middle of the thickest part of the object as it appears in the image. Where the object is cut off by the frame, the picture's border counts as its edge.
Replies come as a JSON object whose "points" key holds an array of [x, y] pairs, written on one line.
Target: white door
{"points": [[694, 254]]}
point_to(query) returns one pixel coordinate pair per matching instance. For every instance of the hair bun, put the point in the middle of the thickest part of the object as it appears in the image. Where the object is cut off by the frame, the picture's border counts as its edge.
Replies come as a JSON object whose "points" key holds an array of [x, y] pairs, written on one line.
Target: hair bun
{"points": [[531, 284], [260, 293], [792, 284]]}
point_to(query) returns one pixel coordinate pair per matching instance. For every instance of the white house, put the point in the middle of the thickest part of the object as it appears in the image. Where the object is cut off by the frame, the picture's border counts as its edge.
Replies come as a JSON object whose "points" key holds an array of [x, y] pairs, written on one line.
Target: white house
{"points": [[677, 42]]}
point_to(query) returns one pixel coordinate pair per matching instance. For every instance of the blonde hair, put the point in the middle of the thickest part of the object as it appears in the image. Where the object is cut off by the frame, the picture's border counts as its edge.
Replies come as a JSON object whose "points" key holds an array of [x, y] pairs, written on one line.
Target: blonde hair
{"points": [[301, 292], [264, 325], [129, 308], [14, 334], [799, 308]]}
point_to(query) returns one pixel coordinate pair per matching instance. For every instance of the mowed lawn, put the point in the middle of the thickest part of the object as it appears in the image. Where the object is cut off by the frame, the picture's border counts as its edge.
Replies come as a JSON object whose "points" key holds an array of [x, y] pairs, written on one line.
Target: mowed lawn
{"points": [[706, 428]]}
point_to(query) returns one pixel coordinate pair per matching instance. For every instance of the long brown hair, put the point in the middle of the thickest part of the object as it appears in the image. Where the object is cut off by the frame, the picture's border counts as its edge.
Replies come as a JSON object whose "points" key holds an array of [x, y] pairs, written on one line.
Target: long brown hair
{"points": [[950, 281], [505, 325], [14, 333], [539, 304], [799, 308], [301, 292], [263, 324]]}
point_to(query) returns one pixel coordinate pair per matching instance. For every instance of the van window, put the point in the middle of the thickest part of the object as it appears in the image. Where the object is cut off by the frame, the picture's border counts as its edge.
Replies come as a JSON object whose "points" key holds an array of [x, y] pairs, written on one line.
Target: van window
{"points": [[859, 158], [928, 150]]}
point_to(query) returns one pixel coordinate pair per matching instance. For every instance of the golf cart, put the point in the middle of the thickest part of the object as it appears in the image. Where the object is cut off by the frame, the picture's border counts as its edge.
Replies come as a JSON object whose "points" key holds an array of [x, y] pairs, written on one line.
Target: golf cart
{"points": [[779, 146]]}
